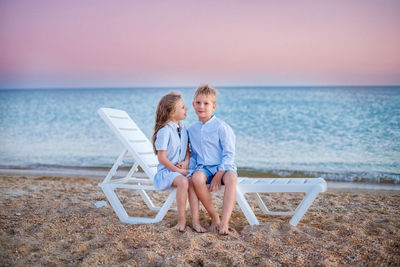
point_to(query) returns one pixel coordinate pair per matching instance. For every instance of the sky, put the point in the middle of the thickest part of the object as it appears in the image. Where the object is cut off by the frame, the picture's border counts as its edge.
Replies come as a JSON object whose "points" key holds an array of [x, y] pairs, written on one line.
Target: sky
{"points": [[102, 43]]}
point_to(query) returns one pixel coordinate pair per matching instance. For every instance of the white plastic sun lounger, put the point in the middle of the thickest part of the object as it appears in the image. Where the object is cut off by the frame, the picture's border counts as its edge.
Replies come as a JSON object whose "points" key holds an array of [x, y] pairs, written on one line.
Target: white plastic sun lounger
{"points": [[138, 147]]}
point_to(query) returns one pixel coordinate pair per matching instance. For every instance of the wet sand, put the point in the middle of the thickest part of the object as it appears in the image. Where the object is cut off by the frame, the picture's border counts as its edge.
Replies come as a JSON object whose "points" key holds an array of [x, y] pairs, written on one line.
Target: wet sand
{"points": [[52, 221]]}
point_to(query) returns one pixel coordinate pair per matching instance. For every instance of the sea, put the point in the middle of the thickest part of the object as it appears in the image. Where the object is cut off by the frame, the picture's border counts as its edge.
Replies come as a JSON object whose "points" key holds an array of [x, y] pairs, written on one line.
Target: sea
{"points": [[343, 133]]}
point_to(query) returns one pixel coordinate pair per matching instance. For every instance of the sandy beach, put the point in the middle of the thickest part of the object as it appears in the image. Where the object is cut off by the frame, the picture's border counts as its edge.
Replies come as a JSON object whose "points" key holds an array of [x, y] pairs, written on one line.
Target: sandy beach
{"points": [[52, 221]]}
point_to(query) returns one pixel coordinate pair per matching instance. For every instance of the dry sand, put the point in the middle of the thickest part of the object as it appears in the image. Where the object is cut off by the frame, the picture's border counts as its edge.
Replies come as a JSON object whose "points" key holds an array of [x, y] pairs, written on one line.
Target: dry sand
{"points": [[51, 221]]}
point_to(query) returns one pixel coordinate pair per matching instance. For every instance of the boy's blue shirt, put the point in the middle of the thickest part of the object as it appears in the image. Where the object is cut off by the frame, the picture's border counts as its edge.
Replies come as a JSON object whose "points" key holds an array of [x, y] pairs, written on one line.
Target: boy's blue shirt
{"points": [[212, 144]]}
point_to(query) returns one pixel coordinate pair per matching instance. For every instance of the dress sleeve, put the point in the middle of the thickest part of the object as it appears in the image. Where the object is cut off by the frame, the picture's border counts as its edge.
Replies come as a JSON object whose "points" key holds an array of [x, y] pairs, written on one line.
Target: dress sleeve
{"points": [[162, 139]]}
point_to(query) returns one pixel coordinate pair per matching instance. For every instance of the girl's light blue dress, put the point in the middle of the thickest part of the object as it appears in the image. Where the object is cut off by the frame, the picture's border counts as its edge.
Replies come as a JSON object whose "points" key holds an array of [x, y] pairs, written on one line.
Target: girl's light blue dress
{"points": [[175, 143]]}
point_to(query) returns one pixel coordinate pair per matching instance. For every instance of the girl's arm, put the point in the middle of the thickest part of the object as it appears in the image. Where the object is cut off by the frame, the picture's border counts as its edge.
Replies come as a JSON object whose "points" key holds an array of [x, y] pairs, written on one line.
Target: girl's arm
{"points": [[162, 158]]}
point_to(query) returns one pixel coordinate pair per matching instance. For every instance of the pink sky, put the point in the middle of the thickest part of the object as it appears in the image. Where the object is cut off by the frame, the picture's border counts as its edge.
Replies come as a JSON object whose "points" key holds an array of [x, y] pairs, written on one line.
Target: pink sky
{"points": [[57, 43]]}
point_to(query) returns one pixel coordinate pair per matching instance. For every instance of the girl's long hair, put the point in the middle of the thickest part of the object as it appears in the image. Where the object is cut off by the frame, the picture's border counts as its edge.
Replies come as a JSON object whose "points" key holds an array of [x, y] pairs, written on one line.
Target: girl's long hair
{"points": [[165, 108]]}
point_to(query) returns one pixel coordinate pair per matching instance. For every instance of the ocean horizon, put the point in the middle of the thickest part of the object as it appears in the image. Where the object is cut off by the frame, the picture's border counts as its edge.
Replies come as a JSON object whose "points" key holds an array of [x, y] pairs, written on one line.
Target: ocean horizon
{"points": [[341, 133]]}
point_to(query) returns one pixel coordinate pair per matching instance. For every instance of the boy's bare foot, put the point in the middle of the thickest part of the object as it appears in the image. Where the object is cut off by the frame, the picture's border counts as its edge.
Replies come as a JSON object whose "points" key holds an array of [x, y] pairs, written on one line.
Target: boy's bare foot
{"points": [[224, 230], [214, 226], [198, 228], [180, 226]]}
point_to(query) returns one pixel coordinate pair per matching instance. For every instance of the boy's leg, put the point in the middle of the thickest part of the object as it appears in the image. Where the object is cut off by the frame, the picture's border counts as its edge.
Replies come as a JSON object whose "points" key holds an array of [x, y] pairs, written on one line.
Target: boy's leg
{"points": [[182, 185], [199, 180], [230, 181], [194, 207]]}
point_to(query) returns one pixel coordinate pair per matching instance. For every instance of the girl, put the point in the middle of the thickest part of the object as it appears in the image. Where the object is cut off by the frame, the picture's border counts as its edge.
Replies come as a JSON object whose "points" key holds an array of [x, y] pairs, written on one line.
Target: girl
{"points": [[170, 143]]}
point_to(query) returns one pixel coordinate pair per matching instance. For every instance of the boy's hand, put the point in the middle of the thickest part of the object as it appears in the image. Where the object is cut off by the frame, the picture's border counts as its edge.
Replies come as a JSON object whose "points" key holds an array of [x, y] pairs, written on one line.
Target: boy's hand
{"points": [[183, 164], [184, 172], [179, 165], [216, 183]]}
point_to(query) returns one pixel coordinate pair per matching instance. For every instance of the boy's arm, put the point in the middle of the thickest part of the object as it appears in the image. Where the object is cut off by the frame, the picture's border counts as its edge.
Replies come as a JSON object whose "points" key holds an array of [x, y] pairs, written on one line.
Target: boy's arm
{"points": [[187, 157], [227, 140], [192, 159], [185, 164]]}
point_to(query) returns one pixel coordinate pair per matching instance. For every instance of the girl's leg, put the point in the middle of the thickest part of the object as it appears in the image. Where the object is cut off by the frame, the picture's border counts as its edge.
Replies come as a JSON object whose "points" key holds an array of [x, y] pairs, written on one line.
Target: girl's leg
{"points": [[199, 180], [194, 207], [181, 183]]}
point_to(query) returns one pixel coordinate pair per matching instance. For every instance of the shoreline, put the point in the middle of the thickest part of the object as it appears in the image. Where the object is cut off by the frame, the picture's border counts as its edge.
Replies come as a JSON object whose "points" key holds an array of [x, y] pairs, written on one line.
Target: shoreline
{"points": [[98, 174], [372, 177]]}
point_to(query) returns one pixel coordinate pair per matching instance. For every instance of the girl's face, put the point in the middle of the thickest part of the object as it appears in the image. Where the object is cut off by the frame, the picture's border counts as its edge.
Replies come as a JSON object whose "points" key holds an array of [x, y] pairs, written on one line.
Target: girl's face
{"points": [[180, 111]]}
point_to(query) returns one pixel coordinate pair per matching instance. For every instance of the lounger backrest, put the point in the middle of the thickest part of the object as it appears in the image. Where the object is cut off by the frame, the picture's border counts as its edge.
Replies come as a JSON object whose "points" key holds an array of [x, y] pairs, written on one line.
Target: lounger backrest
{"points": [[132, 138]]}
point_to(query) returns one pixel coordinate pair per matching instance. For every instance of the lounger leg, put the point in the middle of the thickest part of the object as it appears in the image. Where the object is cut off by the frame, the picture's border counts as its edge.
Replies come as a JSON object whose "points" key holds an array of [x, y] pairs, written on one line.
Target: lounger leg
{"points": [[147, 200], [123, 215], [164, 209], [304, 205], [133, 170], [115, 203], [114, 168], [261, 204], [247, 211]]}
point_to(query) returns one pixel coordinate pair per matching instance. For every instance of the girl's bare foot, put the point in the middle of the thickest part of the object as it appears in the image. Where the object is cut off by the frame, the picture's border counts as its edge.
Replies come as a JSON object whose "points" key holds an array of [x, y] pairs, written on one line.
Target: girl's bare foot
{"points": [[180, 226], [223, 229], [198, 228]]}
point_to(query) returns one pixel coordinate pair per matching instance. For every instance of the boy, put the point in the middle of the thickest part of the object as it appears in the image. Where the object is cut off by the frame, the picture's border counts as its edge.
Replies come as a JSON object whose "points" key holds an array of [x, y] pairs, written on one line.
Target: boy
{"points": [[212, 144]]}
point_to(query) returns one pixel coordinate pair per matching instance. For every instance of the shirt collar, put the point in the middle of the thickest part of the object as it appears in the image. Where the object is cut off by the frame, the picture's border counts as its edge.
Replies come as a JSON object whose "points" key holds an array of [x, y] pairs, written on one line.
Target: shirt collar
{"points": [[174, 125], [209, 121]]}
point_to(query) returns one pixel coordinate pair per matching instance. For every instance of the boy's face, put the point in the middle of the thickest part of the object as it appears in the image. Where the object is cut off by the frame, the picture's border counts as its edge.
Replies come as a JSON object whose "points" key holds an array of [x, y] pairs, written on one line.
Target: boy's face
{"points": [[204, 106]]}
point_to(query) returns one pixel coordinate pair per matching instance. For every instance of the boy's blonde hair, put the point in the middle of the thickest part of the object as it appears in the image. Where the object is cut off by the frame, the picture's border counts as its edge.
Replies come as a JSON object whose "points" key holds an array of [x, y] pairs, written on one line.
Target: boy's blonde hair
{"points": [[207, 90], [166, 107]]}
